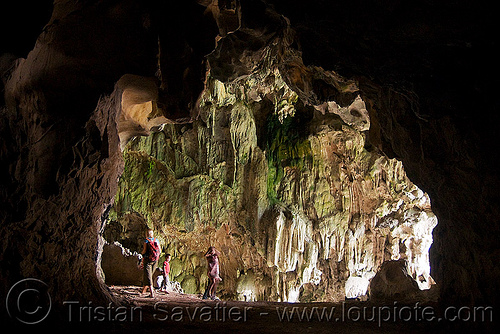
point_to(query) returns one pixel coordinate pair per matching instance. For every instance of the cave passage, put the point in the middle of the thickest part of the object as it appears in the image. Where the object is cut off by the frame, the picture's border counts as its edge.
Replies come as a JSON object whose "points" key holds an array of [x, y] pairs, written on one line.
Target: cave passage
{"points": [[303, 139]]}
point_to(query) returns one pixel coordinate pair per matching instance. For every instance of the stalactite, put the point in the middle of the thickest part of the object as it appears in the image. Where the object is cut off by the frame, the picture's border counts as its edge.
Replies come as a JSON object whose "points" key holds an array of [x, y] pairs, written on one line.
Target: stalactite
{"points": [[256, 128]]}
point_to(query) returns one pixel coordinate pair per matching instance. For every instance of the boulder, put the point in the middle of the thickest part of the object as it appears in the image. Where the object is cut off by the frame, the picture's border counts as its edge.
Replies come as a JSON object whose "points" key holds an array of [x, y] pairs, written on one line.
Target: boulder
{"points": [[120, 266], [392, 283]]}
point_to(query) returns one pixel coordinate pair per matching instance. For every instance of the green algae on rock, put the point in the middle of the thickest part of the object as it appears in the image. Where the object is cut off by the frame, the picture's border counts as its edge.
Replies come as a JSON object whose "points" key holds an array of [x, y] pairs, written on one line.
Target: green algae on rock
{"points": [[281, 182]]}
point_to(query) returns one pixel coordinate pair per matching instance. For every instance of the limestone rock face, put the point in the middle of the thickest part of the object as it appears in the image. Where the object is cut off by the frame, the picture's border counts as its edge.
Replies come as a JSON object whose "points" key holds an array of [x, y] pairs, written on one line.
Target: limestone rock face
{"points": [[61, 108], [392, 283], [284, 187], [121, 266], [130, 232]]}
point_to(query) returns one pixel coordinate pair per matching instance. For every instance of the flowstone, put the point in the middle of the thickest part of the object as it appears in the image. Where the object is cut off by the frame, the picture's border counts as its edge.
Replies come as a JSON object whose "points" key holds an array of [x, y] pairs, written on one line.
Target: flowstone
{"points": [[283, 185]]}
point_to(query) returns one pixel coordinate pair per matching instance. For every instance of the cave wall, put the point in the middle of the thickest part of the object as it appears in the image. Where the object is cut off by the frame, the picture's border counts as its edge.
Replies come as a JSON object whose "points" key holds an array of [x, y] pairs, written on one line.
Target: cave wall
{"points": [[425, 70], [288, 192], [60, 150], [428, 78]]}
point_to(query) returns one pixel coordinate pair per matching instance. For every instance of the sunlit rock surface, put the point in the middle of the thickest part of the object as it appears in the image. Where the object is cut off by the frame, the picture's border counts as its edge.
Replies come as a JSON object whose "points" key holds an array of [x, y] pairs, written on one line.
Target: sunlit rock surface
{"points": [[283, 185]]}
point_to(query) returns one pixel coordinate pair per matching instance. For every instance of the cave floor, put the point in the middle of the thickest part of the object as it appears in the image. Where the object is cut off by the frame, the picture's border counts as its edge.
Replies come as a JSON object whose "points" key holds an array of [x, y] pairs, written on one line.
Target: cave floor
{"points": [[188, 313]]}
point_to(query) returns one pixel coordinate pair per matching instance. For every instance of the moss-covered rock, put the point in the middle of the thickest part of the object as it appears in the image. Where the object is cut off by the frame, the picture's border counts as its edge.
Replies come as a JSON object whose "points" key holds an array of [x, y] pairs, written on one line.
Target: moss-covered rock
{"points": [[282, 185], [189, 284]]}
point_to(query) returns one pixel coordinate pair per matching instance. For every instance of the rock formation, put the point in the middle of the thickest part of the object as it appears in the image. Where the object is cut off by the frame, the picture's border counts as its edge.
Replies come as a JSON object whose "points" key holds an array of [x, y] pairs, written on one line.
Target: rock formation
{"points": [[282, 184], [120, 265]]}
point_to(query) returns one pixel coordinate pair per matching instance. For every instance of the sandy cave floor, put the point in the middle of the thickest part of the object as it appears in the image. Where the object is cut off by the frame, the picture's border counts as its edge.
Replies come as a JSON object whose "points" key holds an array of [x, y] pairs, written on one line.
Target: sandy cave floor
{"points": [[188, 313]]}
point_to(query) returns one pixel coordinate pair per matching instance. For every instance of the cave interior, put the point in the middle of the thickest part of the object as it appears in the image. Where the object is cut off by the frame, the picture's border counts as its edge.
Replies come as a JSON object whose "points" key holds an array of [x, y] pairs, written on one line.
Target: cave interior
{"points": [[331, 150]]}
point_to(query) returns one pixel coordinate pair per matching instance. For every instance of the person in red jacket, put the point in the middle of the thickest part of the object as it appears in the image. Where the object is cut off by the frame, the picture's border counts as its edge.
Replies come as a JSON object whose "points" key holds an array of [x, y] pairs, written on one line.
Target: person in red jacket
{"points": [[166, 271]]}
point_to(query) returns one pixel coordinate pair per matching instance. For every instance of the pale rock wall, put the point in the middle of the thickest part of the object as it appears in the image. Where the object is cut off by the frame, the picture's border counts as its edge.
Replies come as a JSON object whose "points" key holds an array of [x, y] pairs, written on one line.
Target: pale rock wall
{"points": [[286, 190]]}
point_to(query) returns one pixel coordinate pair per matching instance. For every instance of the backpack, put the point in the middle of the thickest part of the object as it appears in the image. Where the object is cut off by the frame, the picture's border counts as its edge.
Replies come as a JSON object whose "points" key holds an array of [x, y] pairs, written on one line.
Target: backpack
{"points": [[152, 250]]}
